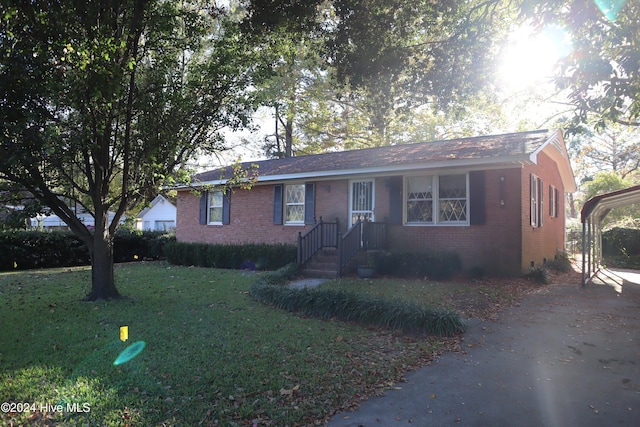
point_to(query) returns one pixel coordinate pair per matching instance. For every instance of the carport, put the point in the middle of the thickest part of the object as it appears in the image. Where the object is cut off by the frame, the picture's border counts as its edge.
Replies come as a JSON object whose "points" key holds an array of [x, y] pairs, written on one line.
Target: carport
{"points": [[593, 213]]}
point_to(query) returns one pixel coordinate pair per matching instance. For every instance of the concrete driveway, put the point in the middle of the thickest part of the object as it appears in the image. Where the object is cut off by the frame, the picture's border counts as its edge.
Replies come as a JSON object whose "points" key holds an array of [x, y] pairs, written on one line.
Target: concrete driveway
{"points": [[567, 356]]}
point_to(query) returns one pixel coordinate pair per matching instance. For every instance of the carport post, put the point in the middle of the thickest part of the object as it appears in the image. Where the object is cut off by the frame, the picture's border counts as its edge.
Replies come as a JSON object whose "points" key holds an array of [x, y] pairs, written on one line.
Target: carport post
{"points": [[584, 247], [590, 257]]}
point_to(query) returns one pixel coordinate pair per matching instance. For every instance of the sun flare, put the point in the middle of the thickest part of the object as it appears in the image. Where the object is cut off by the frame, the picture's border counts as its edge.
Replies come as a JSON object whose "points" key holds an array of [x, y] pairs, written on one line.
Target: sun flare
{"points": [[530, 57]]}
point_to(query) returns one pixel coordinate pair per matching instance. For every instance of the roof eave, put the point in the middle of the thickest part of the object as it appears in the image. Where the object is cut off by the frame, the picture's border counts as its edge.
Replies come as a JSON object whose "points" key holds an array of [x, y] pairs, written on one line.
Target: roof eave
{"points": [[494, 162], [557, 149]]}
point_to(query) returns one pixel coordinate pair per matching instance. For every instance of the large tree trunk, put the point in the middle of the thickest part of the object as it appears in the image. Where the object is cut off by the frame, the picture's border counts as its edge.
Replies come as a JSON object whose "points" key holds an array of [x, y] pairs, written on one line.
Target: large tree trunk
{"points": [[288, 140], [102, 278]]}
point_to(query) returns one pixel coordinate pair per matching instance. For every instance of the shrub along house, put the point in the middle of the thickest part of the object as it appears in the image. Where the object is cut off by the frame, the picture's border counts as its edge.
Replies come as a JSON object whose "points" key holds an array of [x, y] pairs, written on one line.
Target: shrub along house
{"points": [[498, 201]]}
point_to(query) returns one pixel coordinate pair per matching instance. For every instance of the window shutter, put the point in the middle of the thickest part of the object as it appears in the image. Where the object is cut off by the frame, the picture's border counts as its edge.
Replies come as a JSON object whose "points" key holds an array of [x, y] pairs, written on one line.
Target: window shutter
{"points": [[277, 204], [309, 202], [226, 208], [477, 198], [395, 200], [203, 207]]}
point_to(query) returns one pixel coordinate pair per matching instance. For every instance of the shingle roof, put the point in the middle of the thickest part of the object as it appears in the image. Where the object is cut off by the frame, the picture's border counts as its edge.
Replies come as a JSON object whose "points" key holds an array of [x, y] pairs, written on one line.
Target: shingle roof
{"points": [[510, 147]]}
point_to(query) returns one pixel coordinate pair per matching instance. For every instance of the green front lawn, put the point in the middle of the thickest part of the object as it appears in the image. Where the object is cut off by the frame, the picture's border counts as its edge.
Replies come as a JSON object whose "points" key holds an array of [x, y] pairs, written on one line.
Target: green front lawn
{"points": [[213, 355], [482, 299]]}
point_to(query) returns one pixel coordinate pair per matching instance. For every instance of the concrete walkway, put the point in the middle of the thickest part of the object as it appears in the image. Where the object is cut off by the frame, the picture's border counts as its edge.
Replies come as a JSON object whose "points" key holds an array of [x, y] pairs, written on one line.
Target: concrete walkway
{"points": [[567, 356], [307, 283]]}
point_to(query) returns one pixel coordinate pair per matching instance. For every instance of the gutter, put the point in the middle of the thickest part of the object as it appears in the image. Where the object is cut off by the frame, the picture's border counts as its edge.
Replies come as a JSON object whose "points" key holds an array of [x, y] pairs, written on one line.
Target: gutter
{"points": [[495, 163]]}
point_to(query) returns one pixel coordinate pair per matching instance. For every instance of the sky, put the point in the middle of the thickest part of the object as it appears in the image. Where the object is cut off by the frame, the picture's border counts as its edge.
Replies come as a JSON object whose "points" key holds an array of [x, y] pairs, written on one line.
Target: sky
{"points": [[530, 57]]}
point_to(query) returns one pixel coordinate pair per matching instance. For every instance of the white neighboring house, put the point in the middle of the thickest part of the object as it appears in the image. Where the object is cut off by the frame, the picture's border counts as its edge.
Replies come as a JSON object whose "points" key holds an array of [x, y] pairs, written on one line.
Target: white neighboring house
{"points": [[160, 216], [53, 222]]}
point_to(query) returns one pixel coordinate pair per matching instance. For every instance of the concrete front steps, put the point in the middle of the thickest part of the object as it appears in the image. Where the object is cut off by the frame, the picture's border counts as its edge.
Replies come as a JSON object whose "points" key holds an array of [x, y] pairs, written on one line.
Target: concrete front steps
{"points": [[324, 264]]}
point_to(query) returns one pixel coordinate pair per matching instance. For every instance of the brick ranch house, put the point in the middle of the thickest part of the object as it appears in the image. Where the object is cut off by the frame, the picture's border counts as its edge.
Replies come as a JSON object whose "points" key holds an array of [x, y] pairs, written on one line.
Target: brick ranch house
{"points": [[498, 201]]}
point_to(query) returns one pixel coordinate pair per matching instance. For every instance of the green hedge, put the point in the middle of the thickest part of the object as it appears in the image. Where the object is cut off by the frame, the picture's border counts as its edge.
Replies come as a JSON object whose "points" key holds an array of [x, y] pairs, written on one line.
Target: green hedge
{"points": [[37, 249], [621, 242], [138, 245], [437, 265], [327, 303], [47, 249], [247, 256]]}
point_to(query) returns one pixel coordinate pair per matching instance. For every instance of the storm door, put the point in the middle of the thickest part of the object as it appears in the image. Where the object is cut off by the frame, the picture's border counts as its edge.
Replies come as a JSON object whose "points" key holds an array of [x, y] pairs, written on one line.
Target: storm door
{"points": [[362, 200]]}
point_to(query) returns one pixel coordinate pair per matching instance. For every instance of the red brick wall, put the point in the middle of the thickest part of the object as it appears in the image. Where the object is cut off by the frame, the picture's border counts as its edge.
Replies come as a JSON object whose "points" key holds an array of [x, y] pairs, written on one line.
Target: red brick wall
{"points": [[505, 244], [332, 201], [540, 243], [494, 245], [251, 215], [251, 220]]}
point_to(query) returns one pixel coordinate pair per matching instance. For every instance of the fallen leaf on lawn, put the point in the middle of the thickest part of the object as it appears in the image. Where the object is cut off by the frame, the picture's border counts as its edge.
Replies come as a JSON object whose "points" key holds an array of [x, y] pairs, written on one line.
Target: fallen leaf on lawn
{"points": [[286, 392]]}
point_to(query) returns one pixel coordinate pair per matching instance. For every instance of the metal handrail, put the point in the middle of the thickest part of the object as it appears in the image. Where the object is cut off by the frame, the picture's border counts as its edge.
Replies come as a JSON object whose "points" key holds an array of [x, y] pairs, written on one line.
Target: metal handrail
{"points": [[321, 235], [350, 245], [363, 235]]}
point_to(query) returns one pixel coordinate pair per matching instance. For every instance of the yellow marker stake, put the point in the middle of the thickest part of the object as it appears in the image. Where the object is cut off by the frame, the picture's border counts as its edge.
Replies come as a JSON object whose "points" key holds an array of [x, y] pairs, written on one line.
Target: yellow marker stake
{"points": [[124, 333]]}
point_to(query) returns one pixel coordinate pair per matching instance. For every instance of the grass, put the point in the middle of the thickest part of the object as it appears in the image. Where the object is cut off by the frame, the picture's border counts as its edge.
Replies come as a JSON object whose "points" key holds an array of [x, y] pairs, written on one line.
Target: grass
{"points": [[213, 355], [482, 299]]}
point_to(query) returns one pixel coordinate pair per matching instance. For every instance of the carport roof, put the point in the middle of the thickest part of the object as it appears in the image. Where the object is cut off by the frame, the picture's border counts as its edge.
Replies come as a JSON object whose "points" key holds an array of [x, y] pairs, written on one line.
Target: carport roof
{"points": [[599, 206]]}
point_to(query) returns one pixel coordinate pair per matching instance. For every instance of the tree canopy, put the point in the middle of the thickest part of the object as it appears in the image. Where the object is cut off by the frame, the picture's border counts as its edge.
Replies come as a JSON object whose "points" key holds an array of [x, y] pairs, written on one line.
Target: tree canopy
{"points": [[602, 73], [101, 103], [389, 57]]}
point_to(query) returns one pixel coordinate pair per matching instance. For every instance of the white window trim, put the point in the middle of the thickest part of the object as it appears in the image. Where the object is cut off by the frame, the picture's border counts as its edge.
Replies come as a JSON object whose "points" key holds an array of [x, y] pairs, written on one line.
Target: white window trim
{"points": [[209, 199], [285, 221], [536, 208], [435, 203]]}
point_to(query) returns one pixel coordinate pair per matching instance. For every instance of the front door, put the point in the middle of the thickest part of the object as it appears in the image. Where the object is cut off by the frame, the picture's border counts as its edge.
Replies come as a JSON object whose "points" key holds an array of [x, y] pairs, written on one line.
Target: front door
{"points": [[362, 200]]}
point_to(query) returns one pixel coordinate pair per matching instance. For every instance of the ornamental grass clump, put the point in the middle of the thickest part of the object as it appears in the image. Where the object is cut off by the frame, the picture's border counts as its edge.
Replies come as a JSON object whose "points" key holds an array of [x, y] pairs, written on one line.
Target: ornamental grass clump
{"points": [[327, 303]]}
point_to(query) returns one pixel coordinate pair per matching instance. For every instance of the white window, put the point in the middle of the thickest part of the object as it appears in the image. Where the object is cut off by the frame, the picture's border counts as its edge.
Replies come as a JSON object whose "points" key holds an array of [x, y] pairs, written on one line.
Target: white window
{"points": [[164, 225], [537, 201], [294, 204], [437, 199], [554, 202], [214, 211], [420, 199], [452, 195]]}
